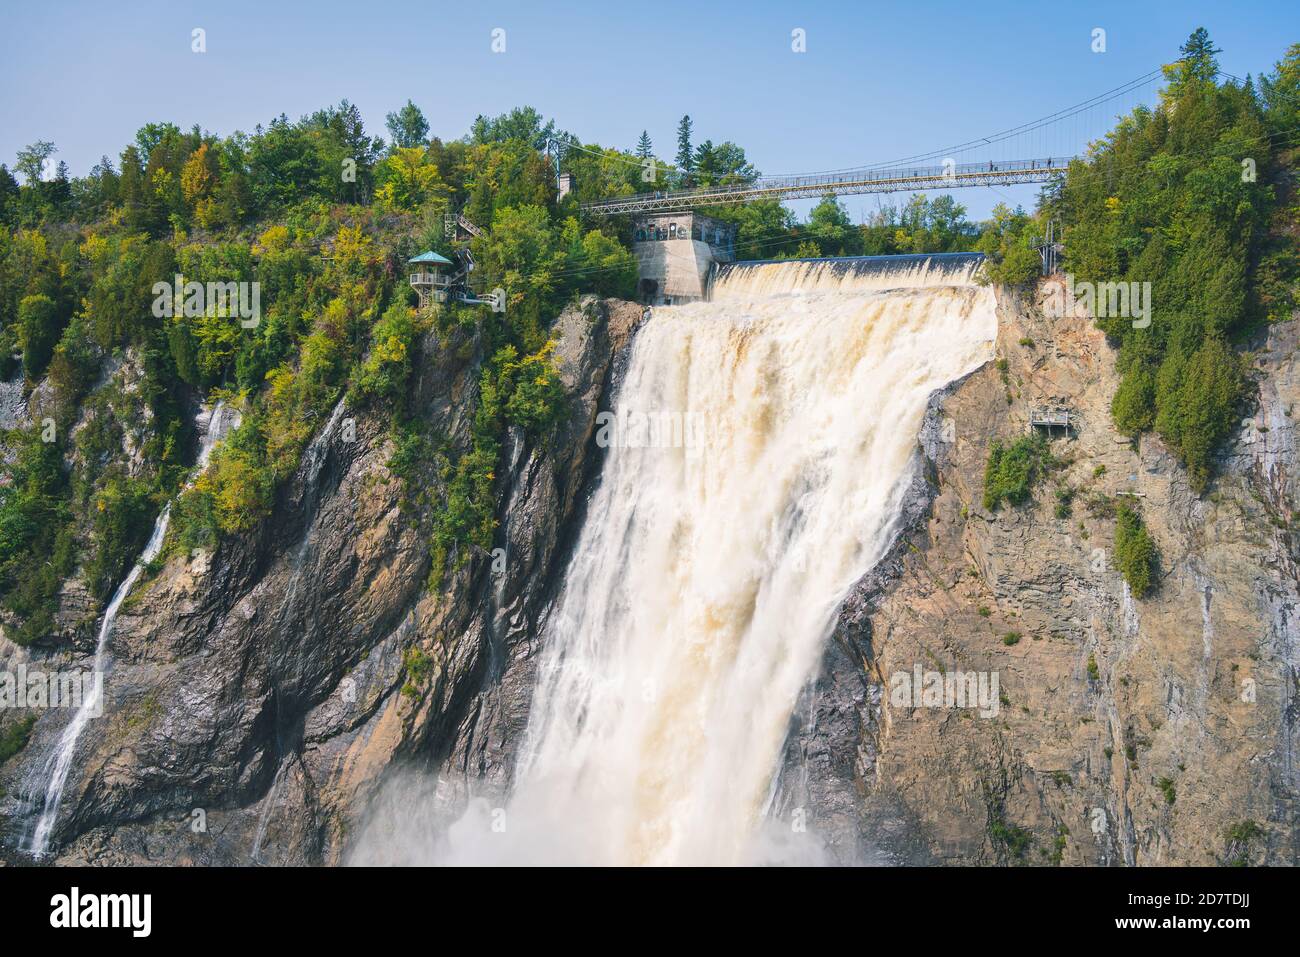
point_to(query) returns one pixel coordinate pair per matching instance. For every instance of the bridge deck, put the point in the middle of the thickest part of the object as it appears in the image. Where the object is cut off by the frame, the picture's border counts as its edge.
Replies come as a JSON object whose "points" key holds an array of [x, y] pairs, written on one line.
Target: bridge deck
{"points": [[840, 184]]}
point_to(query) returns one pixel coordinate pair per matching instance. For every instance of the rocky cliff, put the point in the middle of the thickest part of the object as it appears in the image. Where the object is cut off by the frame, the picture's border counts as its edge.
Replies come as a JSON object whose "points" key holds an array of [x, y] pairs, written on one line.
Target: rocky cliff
{"points": [[261, 694], [264, 695], [1153, 731]]}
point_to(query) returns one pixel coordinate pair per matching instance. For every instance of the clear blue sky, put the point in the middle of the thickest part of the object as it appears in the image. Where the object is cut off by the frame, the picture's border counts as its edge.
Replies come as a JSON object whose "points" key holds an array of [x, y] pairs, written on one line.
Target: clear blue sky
{"points": [[878, 80]]}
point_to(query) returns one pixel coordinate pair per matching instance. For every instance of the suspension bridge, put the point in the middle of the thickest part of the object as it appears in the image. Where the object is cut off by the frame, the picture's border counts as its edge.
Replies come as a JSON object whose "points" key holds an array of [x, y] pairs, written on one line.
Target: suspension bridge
{"points": [[1050, 142], [946, 176]]}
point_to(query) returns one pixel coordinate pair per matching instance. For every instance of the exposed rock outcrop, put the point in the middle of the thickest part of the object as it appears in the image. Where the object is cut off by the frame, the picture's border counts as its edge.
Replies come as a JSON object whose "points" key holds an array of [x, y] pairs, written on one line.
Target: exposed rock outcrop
{"points": [[1152, 731]]}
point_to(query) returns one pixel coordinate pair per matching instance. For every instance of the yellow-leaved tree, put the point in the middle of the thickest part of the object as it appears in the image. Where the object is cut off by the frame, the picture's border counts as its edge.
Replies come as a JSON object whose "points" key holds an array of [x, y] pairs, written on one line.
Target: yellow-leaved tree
{"points": [[407, 180]]}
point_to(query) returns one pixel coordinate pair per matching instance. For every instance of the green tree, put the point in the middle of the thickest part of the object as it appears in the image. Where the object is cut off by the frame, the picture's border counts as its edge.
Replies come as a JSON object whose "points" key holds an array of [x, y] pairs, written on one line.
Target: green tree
{"points": [[136, 204], [34, 520], [8, 197], [731, 164], [39, 328], [644, 149], [387, 368], [1008, 243], [1197, 398], [830, 227], [685, 154], [407, 127], [704, 164], [598, 263], [722, 165], [407, 181], [1200, 58], [522, 123], [31, 161], [1280, 91], [122, 519], [149, 136]]}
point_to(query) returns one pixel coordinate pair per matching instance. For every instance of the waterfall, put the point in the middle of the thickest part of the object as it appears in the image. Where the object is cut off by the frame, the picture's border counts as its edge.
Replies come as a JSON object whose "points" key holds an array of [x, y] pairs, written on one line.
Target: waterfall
{"points": [[60, 763], [855, 275], [759, 452]]}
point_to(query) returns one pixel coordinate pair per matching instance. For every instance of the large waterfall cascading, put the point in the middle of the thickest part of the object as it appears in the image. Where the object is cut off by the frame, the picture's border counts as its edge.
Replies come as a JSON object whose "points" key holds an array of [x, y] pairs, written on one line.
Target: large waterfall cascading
{"points": [[759, 453], [218, 424]]}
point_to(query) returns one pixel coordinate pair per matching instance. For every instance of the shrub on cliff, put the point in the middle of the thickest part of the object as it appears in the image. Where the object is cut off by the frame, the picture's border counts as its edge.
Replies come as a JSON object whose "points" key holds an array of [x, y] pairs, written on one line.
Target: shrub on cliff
{"points": [[14, 738], [1013, 469], [1135, 551], [387, 368], [123, 519], [1007, 243], [35, 520], [1197, 399], [233, 495]]}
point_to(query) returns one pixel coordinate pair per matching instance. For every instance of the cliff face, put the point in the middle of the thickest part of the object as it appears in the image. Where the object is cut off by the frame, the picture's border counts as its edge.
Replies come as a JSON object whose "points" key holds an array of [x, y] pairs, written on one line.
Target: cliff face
{"points": [[263, 695], [259, 695], [1153, 731]]}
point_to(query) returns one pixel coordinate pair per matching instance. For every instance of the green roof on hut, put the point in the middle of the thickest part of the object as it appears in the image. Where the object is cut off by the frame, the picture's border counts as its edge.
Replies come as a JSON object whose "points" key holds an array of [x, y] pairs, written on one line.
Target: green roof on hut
{"points": [[429, 256]]}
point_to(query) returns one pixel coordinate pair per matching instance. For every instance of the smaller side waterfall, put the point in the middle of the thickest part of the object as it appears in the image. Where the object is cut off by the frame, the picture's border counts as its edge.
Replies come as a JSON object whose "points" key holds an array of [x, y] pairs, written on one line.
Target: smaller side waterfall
{"points": [[219, 423]]}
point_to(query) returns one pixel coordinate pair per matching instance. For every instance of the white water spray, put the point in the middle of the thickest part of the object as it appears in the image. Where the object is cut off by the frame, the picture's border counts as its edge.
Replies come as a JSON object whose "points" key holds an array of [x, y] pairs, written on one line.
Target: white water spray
{"points": [[60, 762], [706, 580]]}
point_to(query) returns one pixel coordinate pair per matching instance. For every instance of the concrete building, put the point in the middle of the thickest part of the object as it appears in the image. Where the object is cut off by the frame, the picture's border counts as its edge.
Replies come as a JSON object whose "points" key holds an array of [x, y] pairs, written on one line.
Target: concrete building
{"points": [[675, 253]]}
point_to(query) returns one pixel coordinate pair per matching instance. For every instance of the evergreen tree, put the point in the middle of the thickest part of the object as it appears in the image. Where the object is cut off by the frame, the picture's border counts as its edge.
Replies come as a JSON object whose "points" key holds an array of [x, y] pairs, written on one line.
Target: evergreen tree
{"points": [[643, 148], [685, 155], [131, 189], [1281, 91], [706, 165], [8, 198], [59, 191], [39, 327], [1201, 54], [1199, 63]]}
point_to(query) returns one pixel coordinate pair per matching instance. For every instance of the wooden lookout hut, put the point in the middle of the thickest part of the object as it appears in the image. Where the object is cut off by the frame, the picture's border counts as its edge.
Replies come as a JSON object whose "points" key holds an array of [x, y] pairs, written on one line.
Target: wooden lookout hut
{"points": [[428, 277]]}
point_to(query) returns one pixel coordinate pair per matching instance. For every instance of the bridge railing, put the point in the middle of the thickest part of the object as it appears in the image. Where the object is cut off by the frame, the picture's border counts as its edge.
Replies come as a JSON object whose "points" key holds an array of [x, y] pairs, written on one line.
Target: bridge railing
{"points": [[856, 180]]}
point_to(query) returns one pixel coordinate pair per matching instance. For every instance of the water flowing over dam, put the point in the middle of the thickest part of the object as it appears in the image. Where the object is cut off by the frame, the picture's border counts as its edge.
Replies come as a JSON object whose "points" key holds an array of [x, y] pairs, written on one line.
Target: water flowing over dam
{"points": [[747, 281], [715, 554]]}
